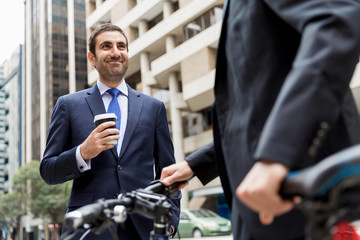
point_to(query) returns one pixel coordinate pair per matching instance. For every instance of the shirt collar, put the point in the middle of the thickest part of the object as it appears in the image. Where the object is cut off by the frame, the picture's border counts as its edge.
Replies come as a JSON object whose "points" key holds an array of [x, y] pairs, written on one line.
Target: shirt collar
{"points": [[103, 87]]}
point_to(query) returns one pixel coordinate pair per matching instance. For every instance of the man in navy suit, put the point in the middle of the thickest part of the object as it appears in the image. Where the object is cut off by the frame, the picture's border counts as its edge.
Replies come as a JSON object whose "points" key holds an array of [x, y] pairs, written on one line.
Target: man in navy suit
{"points": [[282, 103], [77, 150]]}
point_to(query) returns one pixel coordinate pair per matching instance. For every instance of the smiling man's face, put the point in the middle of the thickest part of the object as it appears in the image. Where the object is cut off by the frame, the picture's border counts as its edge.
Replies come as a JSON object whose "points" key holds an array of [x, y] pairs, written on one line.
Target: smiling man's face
{"points": [[110, 58]]}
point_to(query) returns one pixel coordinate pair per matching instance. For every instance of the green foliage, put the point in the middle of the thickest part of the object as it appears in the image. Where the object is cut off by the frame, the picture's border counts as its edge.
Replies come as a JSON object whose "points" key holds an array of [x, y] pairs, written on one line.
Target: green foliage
{"points": [[34, 195], [10, 208]]}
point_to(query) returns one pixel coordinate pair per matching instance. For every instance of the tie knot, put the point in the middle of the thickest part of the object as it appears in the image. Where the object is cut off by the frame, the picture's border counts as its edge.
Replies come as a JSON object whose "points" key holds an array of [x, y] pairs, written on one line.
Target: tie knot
{"points": [[114, 92]]}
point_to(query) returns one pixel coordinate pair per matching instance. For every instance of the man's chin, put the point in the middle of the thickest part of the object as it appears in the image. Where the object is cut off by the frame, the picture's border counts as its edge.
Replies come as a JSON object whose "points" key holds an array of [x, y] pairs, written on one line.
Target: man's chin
{"points": [[116, 76]]}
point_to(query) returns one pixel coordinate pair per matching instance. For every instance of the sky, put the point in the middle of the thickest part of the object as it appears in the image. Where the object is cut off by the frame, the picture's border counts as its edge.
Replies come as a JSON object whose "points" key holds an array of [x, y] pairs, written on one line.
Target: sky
{"points": [[11, 27]]}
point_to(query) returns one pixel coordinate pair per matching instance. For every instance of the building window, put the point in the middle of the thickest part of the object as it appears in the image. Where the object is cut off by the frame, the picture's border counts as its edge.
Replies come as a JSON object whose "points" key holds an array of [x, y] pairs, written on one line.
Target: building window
{"points": [[175, 5], [155, 20], [203, 22], [196, 123]]}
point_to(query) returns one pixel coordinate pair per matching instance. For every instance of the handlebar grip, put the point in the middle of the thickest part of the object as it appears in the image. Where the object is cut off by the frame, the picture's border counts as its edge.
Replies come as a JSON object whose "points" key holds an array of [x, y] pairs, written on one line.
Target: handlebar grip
{"points": [[317, 180], [176, 184], [157, 186], [93, 213], [295, 185], [87, 214]]}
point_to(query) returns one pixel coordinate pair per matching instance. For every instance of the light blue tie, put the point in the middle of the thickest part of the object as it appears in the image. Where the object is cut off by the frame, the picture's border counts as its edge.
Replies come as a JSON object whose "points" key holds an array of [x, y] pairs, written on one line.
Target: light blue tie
{"points": [[114, 106]]}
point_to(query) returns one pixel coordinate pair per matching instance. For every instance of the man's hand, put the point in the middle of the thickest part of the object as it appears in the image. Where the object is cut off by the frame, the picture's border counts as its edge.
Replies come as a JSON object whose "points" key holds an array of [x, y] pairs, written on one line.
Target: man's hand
{"points": [[260, 191], [175, 173], [96, 142]]}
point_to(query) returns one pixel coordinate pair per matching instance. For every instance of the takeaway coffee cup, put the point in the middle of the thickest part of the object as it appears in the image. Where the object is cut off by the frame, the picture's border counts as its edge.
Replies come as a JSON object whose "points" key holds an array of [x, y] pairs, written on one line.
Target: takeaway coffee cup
{"points": [[101, 118]]}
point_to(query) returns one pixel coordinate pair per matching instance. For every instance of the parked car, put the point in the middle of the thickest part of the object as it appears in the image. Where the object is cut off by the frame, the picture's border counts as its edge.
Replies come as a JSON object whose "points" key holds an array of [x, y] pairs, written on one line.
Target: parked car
{"points": [[202, 222]]}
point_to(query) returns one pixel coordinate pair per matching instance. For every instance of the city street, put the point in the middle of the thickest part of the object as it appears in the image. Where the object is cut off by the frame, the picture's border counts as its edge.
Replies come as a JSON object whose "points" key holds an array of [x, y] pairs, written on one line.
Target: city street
{"points": [[210, 238]]}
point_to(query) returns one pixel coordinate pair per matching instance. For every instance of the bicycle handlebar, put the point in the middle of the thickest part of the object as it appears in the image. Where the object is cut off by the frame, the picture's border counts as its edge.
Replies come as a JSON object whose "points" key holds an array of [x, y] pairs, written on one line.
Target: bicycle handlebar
{"points": [[316, 181], [151, 201], [93, 213]]}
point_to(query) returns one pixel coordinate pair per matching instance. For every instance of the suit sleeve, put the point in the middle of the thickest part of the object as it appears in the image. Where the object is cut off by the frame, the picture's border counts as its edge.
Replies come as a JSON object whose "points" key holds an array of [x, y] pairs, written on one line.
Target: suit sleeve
{"points": [[59, 161], [203, 163], [315, 88], [164, 156]]}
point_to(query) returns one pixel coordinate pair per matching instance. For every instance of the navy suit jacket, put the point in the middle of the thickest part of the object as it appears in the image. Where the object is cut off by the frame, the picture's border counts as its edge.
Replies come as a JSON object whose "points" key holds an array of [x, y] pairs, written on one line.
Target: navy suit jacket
{"points": [[146, 149]]}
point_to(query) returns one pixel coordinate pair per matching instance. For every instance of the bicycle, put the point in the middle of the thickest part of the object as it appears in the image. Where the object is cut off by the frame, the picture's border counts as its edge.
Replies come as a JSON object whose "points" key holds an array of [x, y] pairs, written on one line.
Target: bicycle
{"points": [[99, 216], [330, 192]]}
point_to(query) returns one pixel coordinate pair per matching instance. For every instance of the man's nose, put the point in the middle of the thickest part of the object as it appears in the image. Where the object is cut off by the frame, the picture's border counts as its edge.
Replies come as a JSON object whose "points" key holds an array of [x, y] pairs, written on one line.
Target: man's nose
{"points": [[115, 52]]}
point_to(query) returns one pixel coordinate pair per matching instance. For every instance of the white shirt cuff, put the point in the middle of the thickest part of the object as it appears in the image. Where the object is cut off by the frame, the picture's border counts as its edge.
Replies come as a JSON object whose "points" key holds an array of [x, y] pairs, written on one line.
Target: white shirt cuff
{"points": [[81, 163]]}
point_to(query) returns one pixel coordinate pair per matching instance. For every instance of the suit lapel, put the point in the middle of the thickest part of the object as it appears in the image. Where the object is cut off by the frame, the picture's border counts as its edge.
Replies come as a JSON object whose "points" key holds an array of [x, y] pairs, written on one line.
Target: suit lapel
{"points": [[134, 109], [94, 101]]}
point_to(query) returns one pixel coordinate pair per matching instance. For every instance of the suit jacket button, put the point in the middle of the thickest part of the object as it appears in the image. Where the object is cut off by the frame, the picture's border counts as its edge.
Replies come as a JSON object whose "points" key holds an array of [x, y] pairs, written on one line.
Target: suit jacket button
{"points": [[325, 126], [119, 167], [312, 151]]}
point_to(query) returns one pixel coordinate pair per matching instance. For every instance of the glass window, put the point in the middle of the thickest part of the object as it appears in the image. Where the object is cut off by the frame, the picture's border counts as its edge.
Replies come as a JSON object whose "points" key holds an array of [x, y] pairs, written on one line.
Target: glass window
{"points": [[203, 213], [184, 216], [203, 22]]}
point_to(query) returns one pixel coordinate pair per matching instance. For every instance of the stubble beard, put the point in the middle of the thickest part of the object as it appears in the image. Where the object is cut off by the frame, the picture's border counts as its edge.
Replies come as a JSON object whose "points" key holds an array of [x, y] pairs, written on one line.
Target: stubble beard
{"points": [[111, 75]]}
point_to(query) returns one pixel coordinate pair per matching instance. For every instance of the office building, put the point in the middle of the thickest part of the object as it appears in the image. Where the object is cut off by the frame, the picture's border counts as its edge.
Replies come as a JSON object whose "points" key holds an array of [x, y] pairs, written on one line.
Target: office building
{"points": [[55, 53], [10, 119], [55, 64]]}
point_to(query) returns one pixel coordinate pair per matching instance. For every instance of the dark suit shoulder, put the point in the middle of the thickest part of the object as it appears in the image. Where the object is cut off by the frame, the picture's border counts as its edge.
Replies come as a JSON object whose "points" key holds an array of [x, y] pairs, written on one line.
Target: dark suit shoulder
{"points": [[76, 95]]}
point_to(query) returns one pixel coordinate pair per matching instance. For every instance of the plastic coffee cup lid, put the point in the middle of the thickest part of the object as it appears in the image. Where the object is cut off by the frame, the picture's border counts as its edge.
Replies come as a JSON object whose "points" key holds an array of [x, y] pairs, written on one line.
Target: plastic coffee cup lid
{"points": [[104, 116]]}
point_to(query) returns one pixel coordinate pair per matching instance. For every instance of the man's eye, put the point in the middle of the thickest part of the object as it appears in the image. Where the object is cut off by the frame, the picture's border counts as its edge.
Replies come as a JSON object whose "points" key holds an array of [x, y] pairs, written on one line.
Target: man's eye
{"points": [[122, 47]]}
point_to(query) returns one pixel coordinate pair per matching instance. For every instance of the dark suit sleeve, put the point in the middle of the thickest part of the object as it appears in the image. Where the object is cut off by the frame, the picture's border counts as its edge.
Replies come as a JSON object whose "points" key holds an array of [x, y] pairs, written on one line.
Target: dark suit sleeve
{"points": [[315, 88], [164, 156], [59, 161], [203, 163]]}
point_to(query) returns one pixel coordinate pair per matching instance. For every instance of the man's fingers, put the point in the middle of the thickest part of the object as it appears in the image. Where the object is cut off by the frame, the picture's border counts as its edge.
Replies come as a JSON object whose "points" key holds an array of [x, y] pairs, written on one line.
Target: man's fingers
{"points": [[266, 219], [105, 132], [297, 200], [167, 181], [166, 172], [176, 173], [108, 136]]}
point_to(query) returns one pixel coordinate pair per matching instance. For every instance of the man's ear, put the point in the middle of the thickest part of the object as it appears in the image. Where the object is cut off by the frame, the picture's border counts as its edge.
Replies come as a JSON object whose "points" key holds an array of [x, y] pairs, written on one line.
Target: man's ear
{"points": [[91, 58]]}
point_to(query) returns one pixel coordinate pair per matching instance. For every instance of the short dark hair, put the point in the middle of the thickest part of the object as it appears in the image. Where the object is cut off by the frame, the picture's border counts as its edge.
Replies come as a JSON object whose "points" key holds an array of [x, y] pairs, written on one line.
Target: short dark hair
{"points": [[106, 27]]}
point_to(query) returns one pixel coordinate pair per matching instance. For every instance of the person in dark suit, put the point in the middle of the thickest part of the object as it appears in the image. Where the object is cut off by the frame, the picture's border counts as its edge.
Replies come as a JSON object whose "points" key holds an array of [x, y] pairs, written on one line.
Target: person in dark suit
{"points": [[77, 150], [282, 102]]}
